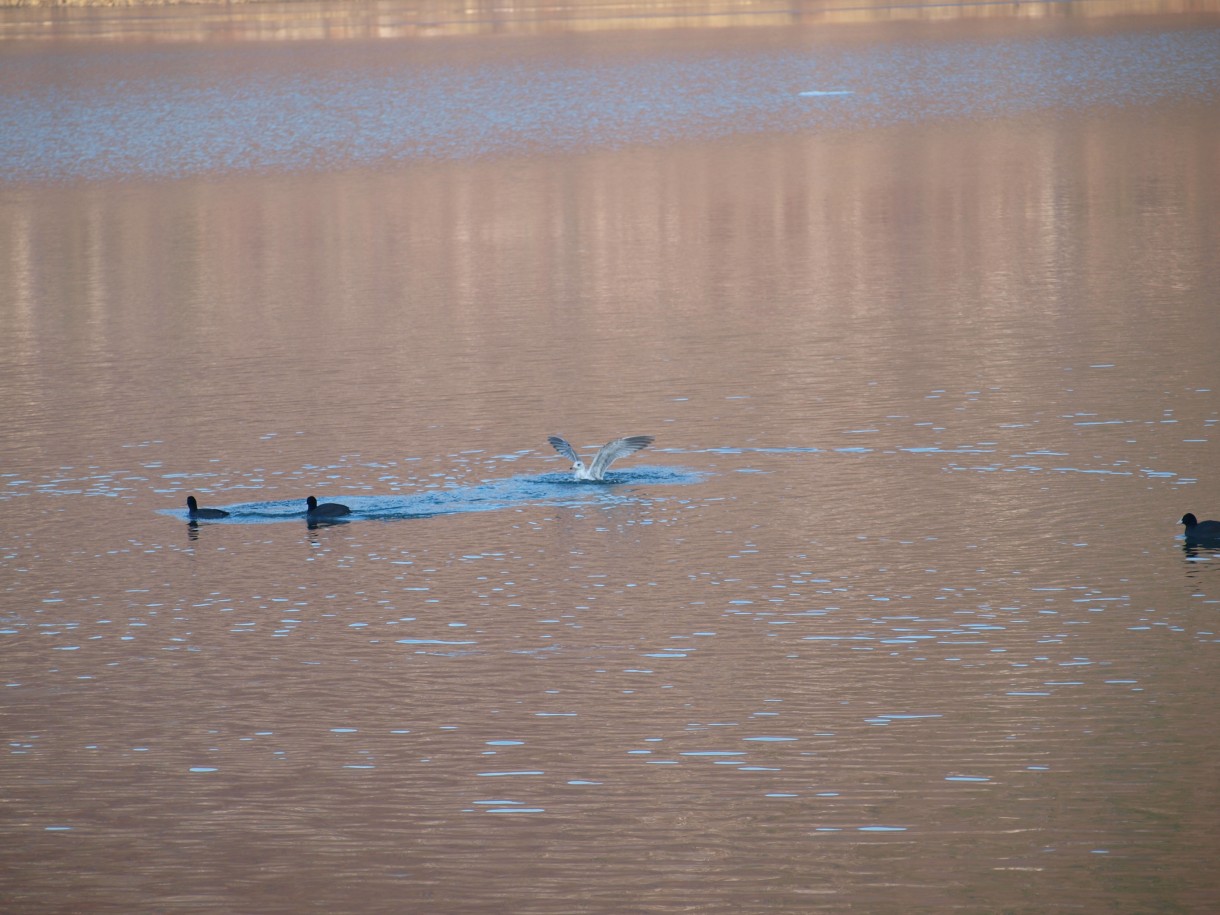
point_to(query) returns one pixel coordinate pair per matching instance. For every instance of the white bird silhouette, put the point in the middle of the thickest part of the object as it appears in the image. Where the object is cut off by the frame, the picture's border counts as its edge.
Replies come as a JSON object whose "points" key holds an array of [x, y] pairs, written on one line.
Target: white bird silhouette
{"points": [[606, 455]]}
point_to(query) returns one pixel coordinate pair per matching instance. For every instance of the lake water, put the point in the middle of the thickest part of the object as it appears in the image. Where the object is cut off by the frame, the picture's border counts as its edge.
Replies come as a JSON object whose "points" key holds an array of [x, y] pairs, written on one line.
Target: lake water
{"points": [[895, 615]]}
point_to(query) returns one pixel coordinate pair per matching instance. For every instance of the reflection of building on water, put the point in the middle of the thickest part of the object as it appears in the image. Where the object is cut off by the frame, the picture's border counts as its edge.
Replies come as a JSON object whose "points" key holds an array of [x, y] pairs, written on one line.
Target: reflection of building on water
{"points": [[187, 20]]}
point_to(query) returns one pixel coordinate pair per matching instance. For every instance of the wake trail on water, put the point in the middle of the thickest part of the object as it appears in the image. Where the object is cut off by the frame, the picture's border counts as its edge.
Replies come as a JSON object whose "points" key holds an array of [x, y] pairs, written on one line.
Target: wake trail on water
{"points": [[492, 495]]}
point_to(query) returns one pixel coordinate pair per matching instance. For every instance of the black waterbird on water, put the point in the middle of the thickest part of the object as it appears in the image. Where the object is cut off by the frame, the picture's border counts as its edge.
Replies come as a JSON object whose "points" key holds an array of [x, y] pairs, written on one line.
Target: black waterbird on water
{"points": [[194, 512], [1201, 531], [314, 511]]}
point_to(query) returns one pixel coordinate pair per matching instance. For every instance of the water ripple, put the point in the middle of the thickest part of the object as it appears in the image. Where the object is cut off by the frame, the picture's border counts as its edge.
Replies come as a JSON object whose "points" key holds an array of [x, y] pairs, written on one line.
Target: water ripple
{"points": [[92, 122]]}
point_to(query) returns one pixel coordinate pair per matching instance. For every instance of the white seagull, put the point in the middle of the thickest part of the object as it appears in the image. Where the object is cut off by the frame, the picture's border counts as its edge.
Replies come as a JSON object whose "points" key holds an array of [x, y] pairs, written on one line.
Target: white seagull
{"points": [[606, 455]]}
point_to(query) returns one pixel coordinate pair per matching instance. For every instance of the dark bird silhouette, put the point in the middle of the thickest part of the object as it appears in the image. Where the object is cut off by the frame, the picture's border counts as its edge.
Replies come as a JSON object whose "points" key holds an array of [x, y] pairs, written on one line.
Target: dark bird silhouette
{"points": [[1200, 531], [314, 511], [194, 512]]}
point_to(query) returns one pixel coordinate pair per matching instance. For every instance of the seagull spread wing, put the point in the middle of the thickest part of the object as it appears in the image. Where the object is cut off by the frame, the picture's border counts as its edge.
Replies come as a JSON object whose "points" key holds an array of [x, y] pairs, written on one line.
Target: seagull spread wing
{"points": [[563, 448], [612, 451]]}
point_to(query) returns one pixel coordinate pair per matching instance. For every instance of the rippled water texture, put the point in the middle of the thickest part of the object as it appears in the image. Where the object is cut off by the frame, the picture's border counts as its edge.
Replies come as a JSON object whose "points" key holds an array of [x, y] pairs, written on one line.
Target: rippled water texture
{"points": [[95, 113], [895, 614]]}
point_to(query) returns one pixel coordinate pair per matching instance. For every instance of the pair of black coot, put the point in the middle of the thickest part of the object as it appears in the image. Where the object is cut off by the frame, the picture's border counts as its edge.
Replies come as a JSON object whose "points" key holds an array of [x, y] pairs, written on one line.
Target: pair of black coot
{"points": [[312, 509]]}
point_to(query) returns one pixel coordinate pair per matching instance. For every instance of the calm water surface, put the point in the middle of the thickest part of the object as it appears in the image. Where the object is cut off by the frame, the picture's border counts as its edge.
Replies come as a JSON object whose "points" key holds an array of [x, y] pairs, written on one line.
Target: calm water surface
{"points": [[894, 616]]}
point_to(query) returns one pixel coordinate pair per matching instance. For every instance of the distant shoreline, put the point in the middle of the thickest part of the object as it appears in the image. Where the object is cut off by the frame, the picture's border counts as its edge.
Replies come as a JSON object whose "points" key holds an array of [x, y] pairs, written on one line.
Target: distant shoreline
{"points": [[47, 5], [119, 4], [200, 20], [129, 4], [642, 8]]}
